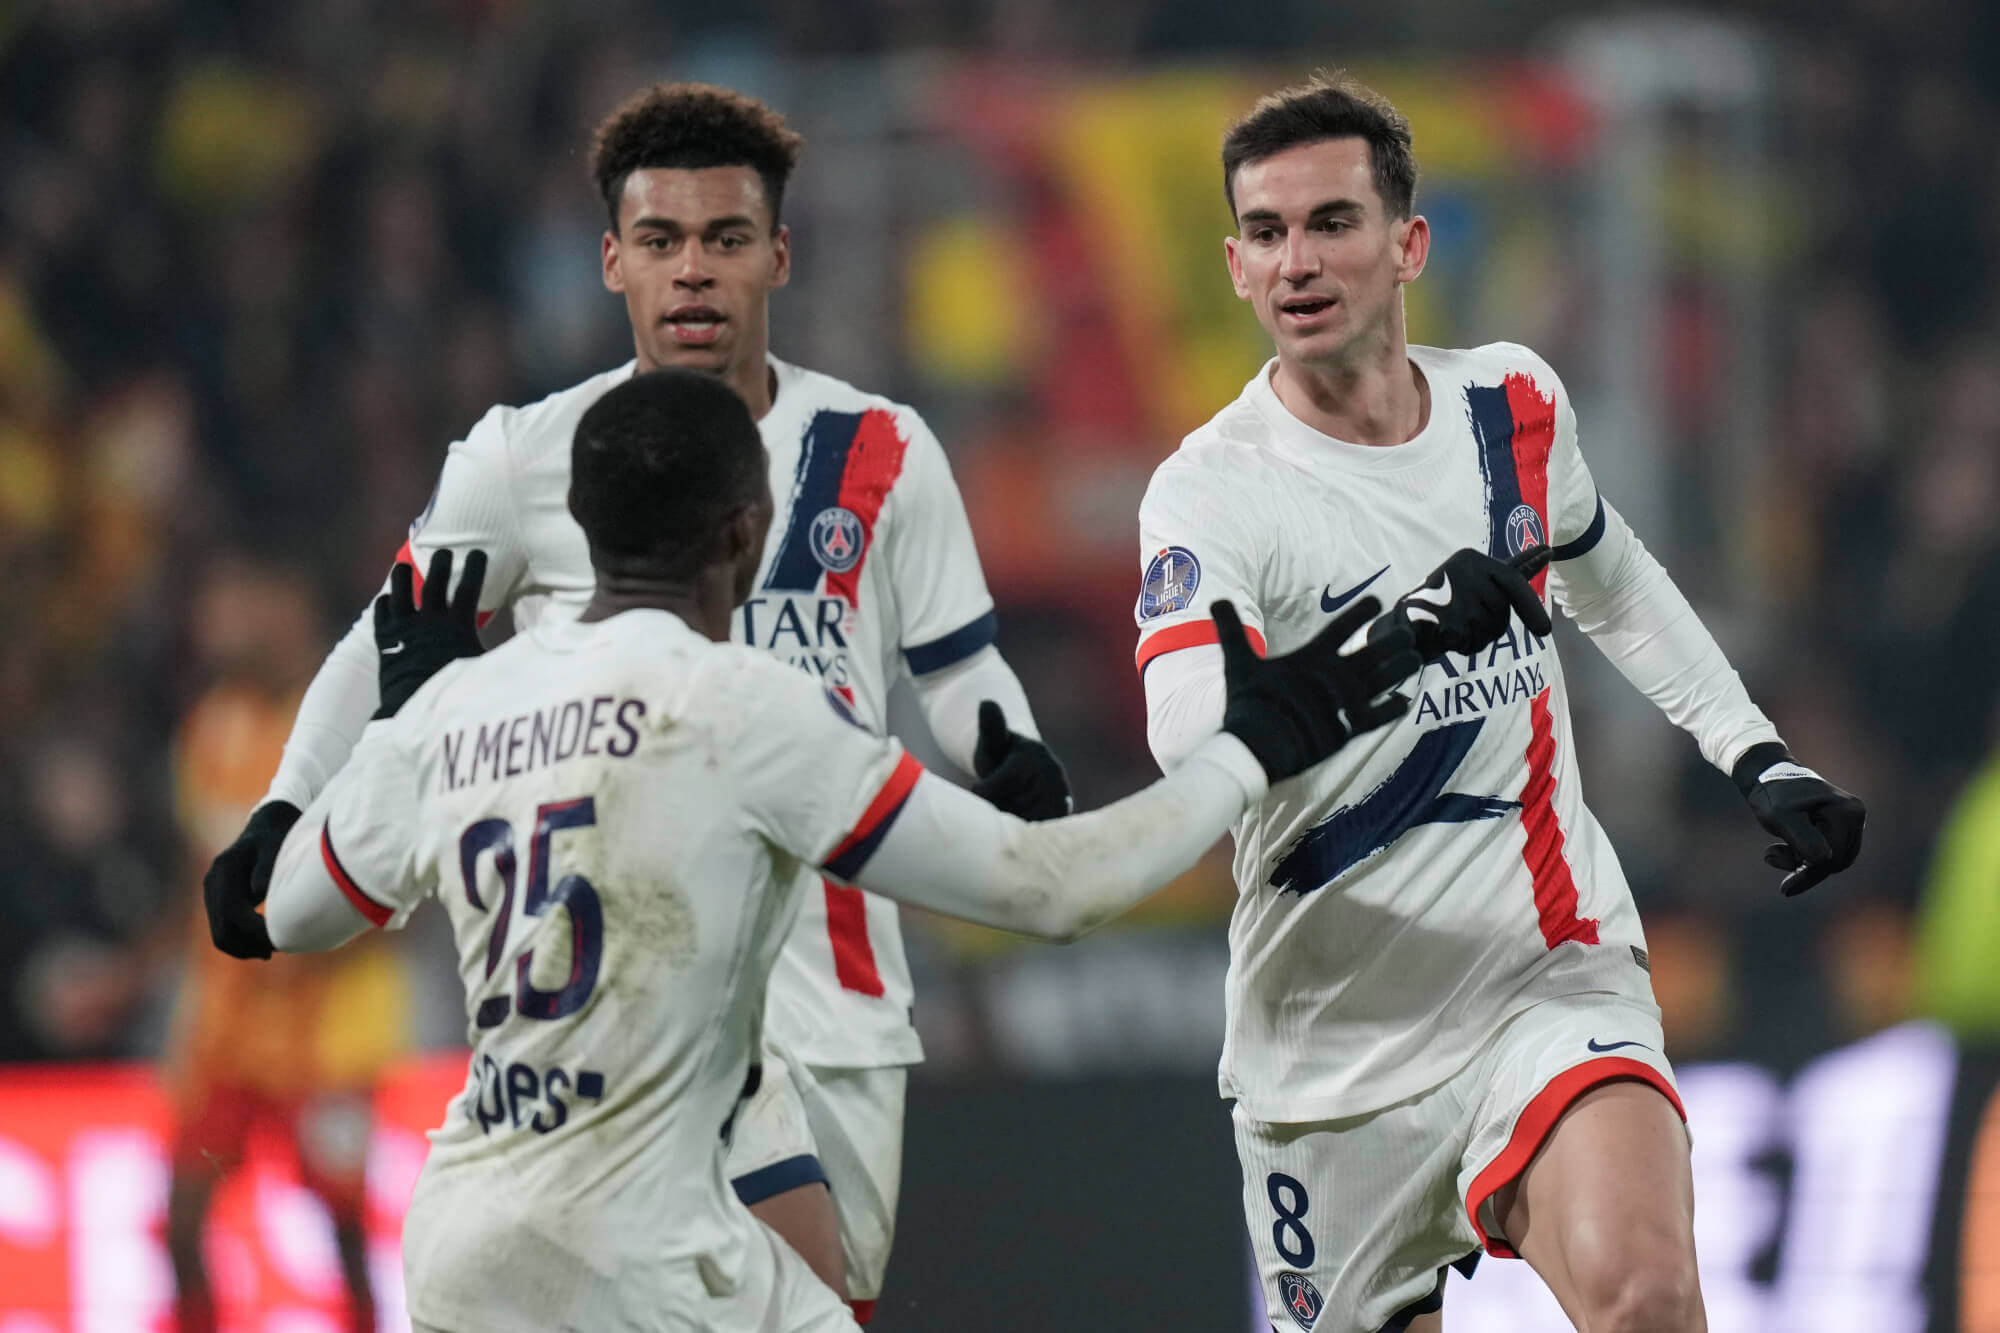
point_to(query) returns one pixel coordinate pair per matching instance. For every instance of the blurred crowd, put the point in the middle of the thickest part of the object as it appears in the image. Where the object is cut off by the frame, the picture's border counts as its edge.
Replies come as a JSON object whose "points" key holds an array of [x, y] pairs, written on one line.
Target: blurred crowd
{"points": [[260, 264]]}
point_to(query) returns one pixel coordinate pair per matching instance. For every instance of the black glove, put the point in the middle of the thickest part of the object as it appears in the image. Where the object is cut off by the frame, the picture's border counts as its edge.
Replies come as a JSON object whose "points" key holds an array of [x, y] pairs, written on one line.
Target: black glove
{"points": [[237, 881], [1293, 711], [1017, 773], [1465, 604], [414, 643], [1819, 823]]}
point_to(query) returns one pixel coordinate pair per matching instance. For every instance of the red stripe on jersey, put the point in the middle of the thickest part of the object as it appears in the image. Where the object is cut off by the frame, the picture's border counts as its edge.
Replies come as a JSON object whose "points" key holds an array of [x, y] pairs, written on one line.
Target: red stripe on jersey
{"points": [[377, 914], [863, 1311], [1538, 1118], [1555, 890], [846, 910], [847, 930], [1190, 635], [407, 556], [1534, 416], [888, 800], [874, 461]]}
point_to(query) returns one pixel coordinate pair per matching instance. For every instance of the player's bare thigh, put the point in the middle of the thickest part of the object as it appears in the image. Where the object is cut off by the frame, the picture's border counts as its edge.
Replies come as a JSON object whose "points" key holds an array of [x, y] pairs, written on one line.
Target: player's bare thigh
{"points": [[1604, 1213], [805, 1218]]}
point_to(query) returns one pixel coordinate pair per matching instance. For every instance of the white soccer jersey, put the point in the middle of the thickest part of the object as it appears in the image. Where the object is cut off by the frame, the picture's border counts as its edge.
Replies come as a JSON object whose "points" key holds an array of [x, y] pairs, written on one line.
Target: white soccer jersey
{"points": [[1442, 873], [614, 816], [870, 568]]}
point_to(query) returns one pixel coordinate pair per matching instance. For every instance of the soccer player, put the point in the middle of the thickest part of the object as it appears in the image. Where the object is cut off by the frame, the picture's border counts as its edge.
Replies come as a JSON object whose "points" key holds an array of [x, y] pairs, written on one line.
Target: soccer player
{"points": [[871, 572], [1441, 1031], [612, 810]]}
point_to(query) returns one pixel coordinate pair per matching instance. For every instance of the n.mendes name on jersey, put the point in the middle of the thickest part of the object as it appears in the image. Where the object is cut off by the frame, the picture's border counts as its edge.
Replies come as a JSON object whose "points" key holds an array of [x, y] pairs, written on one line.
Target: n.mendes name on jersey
{"points": [[511, 746]]}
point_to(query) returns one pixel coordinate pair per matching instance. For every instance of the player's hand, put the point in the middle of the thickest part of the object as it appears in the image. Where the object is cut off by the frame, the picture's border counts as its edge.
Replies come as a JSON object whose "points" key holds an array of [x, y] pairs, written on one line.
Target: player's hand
{"points": [[1819, 824], [1018, 773], [1295, 710], [414, 643], [238, 879], [1467, 602]]}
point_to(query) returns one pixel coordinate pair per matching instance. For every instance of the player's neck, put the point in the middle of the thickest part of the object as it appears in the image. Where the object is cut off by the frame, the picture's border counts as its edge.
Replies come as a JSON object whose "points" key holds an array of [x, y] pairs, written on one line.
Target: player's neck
{"points": [[703, 601], [1377, 398]]}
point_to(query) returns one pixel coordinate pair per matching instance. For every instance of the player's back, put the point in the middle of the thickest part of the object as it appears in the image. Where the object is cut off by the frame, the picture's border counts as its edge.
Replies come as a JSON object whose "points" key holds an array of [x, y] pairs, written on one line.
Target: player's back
{"points": [[616, 911]]}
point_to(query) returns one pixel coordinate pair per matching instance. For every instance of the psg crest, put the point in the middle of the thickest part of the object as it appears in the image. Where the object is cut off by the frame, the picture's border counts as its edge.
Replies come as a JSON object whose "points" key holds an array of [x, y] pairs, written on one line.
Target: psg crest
{"points": [[1170, 583], [1524, 530], [837, 539], [1301, 1298]]}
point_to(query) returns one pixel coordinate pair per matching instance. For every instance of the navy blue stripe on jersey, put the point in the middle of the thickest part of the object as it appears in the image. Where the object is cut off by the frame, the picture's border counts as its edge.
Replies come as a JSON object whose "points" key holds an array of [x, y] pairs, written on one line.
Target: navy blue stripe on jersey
{"points": [[1591, 536], [815, 489], [954, 647], [1493, 427], [1414, 794], [855, 855], [771, 1181]]}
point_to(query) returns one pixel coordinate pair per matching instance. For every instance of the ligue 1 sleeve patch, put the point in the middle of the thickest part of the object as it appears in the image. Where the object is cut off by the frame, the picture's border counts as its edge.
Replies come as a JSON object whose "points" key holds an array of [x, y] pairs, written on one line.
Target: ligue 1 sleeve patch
{"points": [[1170, 582], [1301, 1297]]}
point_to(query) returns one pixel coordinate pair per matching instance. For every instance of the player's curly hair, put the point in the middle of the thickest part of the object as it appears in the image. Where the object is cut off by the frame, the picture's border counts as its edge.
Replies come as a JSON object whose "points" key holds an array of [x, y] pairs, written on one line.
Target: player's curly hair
{"points": [[1330, 105], [692, 125], [657, 465]]}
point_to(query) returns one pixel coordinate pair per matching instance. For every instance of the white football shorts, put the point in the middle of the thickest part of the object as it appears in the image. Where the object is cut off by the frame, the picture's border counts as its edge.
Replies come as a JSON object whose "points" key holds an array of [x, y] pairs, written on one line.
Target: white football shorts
{"points": [[843, 1127], [1354, 1221]]}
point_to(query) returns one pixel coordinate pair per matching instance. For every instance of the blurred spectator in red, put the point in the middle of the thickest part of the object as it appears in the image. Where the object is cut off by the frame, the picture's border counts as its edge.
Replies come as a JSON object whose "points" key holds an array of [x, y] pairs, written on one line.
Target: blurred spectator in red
{"points": [[292, 1045]]}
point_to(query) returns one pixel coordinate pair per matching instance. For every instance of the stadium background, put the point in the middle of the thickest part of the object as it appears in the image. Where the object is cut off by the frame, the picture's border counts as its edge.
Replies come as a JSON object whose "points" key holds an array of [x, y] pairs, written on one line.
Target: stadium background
{"points": [[260, 264]]}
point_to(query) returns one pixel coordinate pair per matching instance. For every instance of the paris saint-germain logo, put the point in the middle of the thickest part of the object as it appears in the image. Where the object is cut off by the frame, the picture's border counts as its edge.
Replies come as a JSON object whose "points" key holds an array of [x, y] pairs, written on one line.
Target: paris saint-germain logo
{"points": [[1301, 1297], [837, 539], [1524, 530], [1170, 583]]}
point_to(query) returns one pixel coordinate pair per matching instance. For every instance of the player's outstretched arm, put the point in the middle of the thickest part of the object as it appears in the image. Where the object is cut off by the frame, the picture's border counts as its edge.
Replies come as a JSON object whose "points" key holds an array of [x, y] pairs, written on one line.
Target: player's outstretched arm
{"points": [[415, 637], [1620, 596], [473, 506], [950, 852]]}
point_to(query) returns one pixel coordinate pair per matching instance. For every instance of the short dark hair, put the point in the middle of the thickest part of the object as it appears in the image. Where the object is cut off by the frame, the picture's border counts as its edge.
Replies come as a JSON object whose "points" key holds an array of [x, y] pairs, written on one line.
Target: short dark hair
{"points": [[692, 125], [658, 465], [1327, 106]]}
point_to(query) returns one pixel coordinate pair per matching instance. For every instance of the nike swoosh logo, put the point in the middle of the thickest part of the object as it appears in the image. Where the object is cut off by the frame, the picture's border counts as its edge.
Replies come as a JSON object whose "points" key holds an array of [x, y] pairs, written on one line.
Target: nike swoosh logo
{"points": [[1329, 603], [1592, 1043], [393, 649]]}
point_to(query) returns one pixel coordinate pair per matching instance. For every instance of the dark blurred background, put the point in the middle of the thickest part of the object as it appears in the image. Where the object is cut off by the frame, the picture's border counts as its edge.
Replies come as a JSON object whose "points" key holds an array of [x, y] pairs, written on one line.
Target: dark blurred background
{"points": [[260, 264]]}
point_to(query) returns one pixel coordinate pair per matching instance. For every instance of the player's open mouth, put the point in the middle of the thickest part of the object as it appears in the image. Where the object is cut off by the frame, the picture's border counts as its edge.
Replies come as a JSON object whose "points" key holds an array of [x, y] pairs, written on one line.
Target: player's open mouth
{"points": [[695, 325], [1307, 308]]}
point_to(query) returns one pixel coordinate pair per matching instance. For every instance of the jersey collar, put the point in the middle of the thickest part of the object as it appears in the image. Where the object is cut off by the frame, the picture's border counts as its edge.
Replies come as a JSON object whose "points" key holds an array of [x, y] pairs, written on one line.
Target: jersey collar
{"points": [[1315, 450]]}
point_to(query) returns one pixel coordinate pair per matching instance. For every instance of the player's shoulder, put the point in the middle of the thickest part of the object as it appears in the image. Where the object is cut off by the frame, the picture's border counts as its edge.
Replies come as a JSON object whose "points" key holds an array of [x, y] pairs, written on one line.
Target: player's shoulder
{"points": [[1490, 364], [530, 433], [1229, 455], [812, 392]]}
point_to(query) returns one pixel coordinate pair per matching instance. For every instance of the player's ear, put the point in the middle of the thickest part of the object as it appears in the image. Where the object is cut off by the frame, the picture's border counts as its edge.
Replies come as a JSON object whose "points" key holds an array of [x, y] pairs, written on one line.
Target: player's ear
{"points": [[781, 256], [1415, 248], [614, 272], [742, 535], [1234, 259]]}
